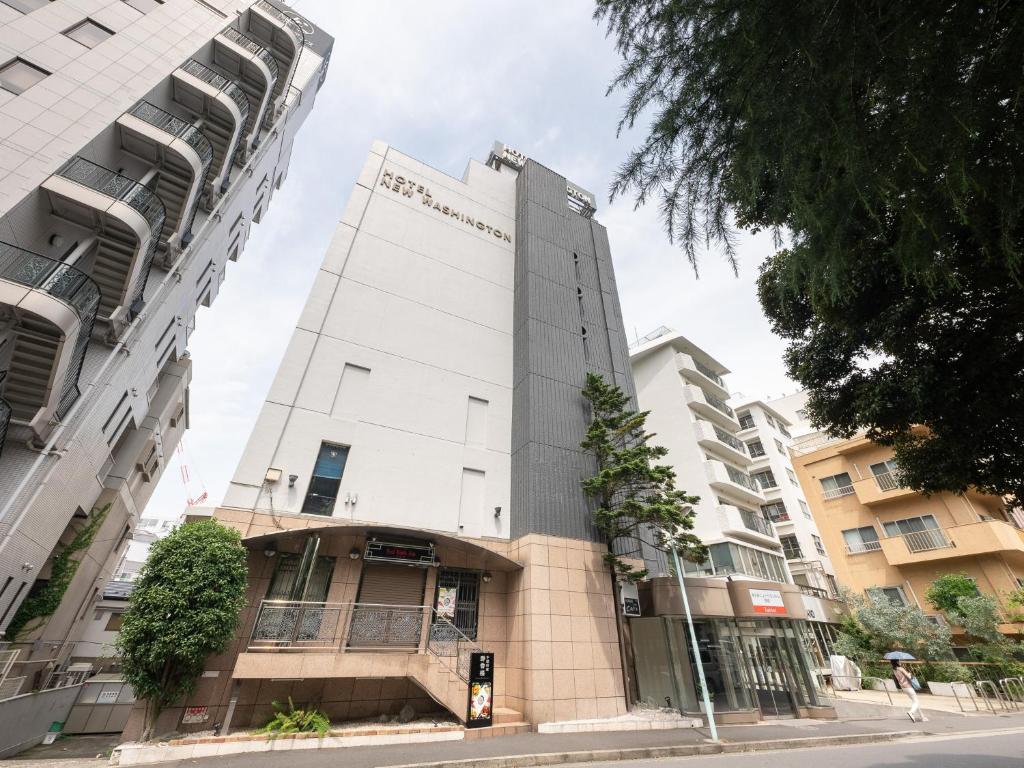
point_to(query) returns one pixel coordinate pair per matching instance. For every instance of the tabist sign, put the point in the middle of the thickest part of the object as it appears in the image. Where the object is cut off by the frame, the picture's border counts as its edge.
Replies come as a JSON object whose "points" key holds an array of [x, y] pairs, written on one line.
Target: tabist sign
{"points": [[481, 690], [768, 601]]}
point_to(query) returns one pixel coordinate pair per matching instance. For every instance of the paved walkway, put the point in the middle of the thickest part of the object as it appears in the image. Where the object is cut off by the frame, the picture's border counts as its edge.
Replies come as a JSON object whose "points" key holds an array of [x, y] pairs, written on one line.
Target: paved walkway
{"points": [[535, 743]]}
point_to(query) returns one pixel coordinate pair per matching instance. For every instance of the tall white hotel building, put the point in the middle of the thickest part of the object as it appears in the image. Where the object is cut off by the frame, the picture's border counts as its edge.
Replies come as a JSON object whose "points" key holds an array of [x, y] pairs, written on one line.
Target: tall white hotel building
{"points": [[139, 142]]}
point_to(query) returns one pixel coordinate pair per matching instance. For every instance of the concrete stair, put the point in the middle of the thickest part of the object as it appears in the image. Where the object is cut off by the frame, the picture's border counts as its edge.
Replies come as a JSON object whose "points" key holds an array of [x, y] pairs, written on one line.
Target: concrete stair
{"points": [[115, 249], [434, 676], [506, 722]]}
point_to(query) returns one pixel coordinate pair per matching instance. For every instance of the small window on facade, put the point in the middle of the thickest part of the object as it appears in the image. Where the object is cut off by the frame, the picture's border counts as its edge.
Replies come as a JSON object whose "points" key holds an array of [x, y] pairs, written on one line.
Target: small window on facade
{"points": [[18, 75], [114, 622], [769, 419], [766, 479], [779, 447], [818, 546], [792, 477], [832, 584], [746, 421], [892, 594], [791, 547], [144, 6], [755, 449], [776, 511], [89, 33], [805, 509], [837, 485], [861, 540], [326, 479]]}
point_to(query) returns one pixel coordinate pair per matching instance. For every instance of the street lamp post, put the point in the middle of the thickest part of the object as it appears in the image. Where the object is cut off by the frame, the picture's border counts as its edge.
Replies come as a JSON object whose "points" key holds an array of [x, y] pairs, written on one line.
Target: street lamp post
{"points": [[696, 648]]}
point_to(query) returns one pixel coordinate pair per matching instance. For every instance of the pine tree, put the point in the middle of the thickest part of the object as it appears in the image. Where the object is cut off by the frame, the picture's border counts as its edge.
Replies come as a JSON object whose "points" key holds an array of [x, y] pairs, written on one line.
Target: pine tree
{"points": [[636, 498]]}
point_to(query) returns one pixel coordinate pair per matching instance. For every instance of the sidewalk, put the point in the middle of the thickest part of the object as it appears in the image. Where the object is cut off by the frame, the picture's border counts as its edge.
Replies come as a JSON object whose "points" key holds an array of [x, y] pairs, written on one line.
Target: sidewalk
{"points": [[744, 737]]}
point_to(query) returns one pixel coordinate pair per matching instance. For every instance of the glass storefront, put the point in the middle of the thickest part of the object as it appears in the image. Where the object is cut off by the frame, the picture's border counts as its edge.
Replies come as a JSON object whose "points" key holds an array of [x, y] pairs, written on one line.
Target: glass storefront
{"points": [[749, 664]]}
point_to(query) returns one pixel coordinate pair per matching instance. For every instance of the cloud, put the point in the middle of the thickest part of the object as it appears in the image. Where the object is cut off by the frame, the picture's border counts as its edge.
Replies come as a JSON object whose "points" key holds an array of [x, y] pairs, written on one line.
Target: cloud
{"points": [[442, 82]]}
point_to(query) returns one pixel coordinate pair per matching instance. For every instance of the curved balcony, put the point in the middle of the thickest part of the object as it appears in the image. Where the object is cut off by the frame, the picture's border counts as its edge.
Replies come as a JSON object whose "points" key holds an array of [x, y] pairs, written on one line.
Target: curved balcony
{"points": [[720, 442], [55, 305], [710, 407], [726, 479], [284, 37], [223, 110], [183, 156], [745, 524], [701, 375], [255, 70], [127, 218]]}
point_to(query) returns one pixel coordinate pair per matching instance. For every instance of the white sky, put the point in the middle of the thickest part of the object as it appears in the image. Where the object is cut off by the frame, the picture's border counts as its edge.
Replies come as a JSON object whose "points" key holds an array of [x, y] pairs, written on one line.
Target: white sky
{"points": [[442, 82]]}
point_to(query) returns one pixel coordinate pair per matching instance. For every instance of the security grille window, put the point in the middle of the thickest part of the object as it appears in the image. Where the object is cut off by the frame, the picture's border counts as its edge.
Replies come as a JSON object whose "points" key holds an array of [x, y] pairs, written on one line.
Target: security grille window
{"points": [[457, 599], [18, 76], [894, 595], [782, 428], [746, 421], [792, 477], [778, 446], [770, 420], [776, 511], [326, 480], [832, 584], [861, 540], [791, 547], [755, 449], [910, 525], [89, 33], [765, 478], [805, 509], [837, 485], [818, 546]]}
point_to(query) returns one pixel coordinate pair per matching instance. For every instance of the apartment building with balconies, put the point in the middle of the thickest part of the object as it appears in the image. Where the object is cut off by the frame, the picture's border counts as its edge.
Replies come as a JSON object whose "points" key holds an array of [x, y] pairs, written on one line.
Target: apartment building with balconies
{"points": [[139, 140], [889, 540], [766, 434]]}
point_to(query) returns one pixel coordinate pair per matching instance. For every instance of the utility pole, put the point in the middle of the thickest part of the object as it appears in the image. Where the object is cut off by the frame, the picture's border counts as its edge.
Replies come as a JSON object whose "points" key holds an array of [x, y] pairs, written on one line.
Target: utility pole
{"points": [[696, 647]]}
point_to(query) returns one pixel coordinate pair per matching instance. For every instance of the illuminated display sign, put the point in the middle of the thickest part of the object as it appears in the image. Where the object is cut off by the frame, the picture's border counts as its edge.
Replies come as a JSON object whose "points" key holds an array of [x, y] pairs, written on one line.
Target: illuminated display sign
{"points": [[411, 554]]}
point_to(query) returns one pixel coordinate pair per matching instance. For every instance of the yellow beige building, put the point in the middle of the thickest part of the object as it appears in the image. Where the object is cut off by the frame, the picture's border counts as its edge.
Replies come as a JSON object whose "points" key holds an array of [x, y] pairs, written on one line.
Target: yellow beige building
{"points": [[890, 540]]}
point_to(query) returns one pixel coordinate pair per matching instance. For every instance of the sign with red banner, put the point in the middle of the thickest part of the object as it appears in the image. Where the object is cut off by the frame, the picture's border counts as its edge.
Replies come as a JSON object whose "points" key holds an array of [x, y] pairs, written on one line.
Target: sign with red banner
{"points": [[768, 601]]}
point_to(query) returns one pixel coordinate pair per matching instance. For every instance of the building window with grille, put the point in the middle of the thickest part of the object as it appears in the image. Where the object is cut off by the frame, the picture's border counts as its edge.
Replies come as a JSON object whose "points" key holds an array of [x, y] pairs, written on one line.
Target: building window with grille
{"points": [[457, 599], [805, 509], [326, 480], [861, 540], [746, 421], [776, 511], [766, 479], [894, 595], [792, 477], [818, 546], [755, 449], [837, 485], [791, 547]]}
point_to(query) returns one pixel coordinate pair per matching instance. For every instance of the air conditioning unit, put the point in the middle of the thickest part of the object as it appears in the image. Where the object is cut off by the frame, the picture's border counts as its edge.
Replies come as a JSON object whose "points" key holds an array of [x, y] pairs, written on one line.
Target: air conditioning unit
{"points": [[179, 415], [150, 464]]}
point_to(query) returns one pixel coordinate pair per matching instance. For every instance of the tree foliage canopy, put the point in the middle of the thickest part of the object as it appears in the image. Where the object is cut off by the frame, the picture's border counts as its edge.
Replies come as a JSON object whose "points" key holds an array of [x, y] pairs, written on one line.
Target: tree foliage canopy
{"points": [[636, 498], [872, 626], [882, 140], [184, 607]]}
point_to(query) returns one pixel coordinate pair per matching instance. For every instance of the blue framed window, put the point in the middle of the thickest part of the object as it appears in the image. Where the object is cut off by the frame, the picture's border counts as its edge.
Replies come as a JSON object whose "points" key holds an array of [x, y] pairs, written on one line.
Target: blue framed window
{"points": [[326, 479]]}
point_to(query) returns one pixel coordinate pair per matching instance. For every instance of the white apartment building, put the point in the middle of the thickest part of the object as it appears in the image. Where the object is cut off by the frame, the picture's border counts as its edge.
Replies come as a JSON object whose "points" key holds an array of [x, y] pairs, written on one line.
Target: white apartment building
{"points": [[684, 389], [766, 433], [139, 141]]}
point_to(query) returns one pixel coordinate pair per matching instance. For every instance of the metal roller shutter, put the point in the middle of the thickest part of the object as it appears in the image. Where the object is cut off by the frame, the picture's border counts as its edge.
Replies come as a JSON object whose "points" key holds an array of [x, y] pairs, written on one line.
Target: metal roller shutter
{"points": [[390, 611], [392, 585]]}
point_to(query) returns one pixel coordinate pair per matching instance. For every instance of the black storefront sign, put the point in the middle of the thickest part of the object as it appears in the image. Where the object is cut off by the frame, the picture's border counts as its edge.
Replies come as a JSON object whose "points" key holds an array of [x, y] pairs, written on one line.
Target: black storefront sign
{"points": [[410, 554], [480, 709]]}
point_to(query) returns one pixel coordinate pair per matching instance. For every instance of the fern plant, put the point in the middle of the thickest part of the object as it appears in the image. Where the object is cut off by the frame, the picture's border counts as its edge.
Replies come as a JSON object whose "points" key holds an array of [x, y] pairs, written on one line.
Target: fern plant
{"points": [[292, 720]]}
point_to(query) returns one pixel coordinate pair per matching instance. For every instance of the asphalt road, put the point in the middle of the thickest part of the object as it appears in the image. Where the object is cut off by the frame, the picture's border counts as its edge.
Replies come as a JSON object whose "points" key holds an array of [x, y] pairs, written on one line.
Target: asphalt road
{"points": [[987, 751]]}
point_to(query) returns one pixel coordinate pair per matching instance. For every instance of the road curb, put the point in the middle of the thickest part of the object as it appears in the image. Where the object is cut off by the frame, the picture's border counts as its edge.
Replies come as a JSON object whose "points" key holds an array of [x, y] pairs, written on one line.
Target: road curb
{"points": [[648, 753]]}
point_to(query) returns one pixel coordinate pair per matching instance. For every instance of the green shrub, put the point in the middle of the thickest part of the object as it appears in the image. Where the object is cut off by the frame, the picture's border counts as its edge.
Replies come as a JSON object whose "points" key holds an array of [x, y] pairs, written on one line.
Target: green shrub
{"points": [[294, 720], [945, 672]]}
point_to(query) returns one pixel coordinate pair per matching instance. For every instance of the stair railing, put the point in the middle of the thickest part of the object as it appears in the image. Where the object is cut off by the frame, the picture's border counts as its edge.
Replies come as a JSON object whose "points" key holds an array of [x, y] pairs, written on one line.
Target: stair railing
{"points": [[450, 645]]}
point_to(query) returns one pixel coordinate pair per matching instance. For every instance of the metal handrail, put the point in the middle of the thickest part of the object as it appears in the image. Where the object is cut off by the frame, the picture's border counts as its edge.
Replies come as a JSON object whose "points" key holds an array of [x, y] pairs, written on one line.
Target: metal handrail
{"points": [[288, 21], [246, 42], [836, 493], [755, 522], [886, 481], [229, 88], [729, 440], [926, 540], [446, 641], [165, 121], [718, 403], [742, 478], [813, 591], [305, 625], [66, 283], [132, 193], [863, 546], [708, 372], [5, 420]]}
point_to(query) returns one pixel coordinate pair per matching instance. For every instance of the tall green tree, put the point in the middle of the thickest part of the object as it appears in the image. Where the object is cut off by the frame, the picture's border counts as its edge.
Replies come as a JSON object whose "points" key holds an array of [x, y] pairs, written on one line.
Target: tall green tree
{"points": [[880, 141], [874, 625], [635, 497], [185, 607]]}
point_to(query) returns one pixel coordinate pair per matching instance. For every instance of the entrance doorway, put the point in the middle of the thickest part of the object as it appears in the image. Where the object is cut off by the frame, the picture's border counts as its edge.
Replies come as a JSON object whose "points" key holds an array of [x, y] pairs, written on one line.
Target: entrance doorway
{"points": [[767, 667], [457, 599]]}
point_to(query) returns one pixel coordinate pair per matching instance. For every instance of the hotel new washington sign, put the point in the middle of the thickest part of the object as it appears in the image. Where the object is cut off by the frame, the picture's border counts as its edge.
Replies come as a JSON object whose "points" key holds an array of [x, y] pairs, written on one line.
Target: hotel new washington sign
{"points": [[409, 188]]}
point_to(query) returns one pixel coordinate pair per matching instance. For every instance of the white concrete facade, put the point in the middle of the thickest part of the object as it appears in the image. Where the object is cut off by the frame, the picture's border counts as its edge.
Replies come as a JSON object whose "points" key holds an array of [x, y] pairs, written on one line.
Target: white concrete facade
{"points": [[121, 366], [403, 354], [766, 433], [684, 389]]}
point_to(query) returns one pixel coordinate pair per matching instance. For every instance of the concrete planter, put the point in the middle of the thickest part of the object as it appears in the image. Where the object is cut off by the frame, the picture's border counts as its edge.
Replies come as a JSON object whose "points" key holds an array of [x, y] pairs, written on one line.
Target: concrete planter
{"points": [[882, 685], [949, 689]]}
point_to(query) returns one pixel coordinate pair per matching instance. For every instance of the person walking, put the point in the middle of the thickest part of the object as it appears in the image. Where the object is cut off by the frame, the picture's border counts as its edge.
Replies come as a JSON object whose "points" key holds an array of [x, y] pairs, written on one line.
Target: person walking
{"points": [[904, 682]]}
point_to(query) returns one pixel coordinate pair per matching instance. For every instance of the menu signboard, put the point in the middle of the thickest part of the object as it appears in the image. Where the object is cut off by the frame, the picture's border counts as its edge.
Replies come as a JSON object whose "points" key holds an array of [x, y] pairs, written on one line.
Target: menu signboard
{"points": [[481, 689]]}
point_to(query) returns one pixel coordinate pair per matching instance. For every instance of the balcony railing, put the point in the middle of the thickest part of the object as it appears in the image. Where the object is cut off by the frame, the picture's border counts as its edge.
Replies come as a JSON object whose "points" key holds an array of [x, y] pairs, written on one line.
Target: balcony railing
{"points": [[814, 591], [71, 286], [729, 440], [718, 403], [228, 87], [835, 493], [5, 417], [742, 478], [886, 481], [293, 25], [756, 522], [926, 541], [708, 372], [290, 625], [854, 548], [165, 121], [246, 42]]}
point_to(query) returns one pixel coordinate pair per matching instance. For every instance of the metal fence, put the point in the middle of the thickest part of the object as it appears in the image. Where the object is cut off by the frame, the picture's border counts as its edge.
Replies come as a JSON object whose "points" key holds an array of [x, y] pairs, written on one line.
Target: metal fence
{"points": [[926, 541], [293, 625]]}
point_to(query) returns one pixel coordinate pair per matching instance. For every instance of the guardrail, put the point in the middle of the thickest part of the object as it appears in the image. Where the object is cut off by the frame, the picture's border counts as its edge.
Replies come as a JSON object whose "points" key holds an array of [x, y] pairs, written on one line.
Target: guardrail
{"points": [[863, 546], [886, 481], [289, 625], [228, 87], [836, 493], [447, 642], [250, 45]]}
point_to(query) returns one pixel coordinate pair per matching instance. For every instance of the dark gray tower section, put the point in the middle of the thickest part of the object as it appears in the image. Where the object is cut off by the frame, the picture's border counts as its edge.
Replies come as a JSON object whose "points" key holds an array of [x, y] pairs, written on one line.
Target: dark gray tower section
{"points": [[567, 322]]}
